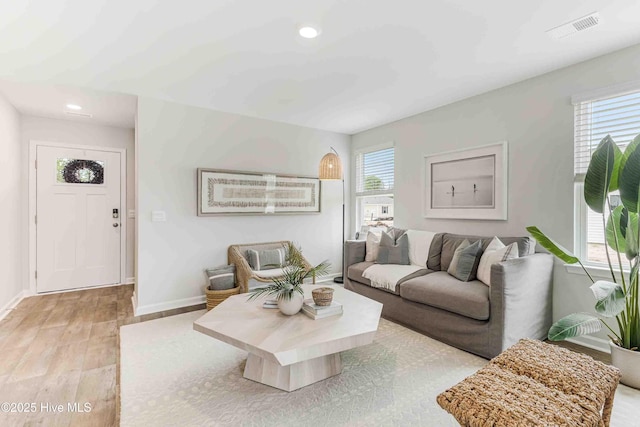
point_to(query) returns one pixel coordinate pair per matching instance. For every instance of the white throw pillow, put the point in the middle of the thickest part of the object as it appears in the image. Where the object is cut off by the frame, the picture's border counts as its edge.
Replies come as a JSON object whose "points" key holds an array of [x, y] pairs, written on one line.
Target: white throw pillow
{"points": [[372, 246], [495, 252], [419, 244]]}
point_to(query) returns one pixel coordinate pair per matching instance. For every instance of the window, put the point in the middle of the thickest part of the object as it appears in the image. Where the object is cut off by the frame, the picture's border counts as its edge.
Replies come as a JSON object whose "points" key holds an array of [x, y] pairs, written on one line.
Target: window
{"points": [[616, 114], [374, 187]]}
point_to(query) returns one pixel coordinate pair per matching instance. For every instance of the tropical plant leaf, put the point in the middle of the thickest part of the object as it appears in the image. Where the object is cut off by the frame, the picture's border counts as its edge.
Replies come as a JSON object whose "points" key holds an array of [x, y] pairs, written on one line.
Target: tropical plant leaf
{"points": [[631, 233], [627, 152], [552, 246], [598, 178], [617, 161], [609, 296], [574, 325], [617, 224], [629, 178]]}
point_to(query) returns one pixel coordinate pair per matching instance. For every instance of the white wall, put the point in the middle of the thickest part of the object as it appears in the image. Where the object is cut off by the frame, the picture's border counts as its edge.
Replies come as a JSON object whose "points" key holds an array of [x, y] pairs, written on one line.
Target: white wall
{"points": [[76, 133], [536, 118], [173, 140], [10, 200]]}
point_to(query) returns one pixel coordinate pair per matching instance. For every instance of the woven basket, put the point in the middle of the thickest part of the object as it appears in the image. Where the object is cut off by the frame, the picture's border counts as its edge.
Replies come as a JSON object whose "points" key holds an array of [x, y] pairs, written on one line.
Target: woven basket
{"points": [[216, 297]]}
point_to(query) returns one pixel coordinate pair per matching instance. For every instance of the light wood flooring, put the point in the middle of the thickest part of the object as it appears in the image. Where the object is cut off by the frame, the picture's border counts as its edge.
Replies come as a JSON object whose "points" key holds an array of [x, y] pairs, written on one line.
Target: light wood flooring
{"points": [[64, 348]]}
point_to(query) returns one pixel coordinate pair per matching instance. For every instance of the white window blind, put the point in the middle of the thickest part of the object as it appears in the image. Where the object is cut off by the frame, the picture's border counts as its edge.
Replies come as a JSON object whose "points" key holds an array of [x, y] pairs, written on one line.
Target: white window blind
{"points": [[618, 116], [374, 172]]}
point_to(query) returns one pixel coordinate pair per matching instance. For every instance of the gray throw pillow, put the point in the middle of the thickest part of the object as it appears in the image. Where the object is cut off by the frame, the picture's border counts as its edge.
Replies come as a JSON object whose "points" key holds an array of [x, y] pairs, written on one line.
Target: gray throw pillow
{"points": [[267, 259], [222, 277], [396, 233], [466, 258], [391, 252]]}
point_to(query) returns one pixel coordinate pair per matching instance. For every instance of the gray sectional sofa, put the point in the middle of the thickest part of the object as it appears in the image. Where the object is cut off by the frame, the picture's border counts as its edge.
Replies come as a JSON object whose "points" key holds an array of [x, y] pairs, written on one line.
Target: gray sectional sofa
{"points": [[481, 319]]}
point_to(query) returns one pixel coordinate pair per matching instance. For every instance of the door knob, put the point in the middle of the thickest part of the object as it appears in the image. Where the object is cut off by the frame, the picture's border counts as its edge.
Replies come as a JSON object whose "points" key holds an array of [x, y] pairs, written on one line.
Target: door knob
{"points": [[115, 224]]}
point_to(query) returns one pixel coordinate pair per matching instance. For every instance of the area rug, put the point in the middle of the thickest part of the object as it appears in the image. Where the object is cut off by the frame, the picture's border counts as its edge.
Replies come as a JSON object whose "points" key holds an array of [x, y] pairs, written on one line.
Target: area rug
{"points": [[172, 375]]}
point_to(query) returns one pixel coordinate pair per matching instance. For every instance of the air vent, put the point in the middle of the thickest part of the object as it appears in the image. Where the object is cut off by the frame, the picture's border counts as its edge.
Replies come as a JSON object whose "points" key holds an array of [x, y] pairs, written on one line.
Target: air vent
{"points": [[77, 114], [573, 27]]}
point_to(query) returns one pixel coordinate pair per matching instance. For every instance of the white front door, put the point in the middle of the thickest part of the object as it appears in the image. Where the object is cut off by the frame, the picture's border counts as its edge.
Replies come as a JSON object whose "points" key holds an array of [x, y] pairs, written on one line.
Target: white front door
{"points": [[78, 218]]}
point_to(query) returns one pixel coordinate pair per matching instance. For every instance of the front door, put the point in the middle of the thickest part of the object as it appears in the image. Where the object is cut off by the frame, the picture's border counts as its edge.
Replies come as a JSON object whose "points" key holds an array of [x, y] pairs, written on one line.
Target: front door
{"points": [[78, 218]]}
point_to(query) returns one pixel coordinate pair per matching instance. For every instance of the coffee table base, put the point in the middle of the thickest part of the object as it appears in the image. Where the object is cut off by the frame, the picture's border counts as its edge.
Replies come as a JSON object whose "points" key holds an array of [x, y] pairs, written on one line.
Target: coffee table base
{"points": [[294, 376]]}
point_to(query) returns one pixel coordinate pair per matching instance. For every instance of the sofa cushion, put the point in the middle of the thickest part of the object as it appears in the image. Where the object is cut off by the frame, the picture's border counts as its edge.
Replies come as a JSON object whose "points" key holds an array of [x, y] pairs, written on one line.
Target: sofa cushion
{"points": [[526, 246], [355, 271], [392, 252], [440, 290]]}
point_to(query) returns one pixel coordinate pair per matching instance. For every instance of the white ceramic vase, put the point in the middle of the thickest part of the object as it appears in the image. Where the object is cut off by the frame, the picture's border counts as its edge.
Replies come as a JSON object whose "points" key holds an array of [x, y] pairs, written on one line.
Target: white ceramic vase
{"points": [[292, 305], [629, 364]]}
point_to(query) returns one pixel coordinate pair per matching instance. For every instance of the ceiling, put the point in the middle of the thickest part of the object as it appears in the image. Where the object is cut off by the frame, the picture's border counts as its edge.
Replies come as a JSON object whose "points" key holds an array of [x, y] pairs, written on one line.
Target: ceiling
{"points": [[44, 100], [375, 62]]}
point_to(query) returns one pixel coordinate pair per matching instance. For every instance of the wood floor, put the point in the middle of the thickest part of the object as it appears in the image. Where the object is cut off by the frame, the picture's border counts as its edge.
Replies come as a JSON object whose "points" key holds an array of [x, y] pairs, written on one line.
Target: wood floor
{"points": [[64, 348]]}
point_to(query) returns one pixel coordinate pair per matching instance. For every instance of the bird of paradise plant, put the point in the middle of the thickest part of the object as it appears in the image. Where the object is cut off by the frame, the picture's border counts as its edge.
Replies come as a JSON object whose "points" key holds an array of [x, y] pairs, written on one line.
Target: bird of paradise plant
{"points": [[610, 170]]}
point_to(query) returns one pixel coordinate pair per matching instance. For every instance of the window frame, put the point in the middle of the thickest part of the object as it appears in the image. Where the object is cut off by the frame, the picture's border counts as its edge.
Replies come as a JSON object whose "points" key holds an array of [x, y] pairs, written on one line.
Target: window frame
{"points": [[359, 197], [581, 224]]}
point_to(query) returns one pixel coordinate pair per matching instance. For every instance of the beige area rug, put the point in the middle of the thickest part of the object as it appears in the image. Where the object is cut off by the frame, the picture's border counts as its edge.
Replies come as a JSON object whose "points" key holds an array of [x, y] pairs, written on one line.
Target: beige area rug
{"points": [[174, 376]]}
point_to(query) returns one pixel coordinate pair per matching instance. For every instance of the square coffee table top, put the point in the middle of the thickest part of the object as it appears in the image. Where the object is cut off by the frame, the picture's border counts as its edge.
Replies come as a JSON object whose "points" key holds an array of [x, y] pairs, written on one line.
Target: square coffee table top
{"points": [[285, 340]]}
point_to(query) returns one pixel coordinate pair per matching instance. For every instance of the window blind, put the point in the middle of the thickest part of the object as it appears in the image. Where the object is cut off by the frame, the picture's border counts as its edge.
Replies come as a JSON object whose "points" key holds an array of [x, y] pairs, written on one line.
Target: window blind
{"points": [[375, 172], [618, 116]]}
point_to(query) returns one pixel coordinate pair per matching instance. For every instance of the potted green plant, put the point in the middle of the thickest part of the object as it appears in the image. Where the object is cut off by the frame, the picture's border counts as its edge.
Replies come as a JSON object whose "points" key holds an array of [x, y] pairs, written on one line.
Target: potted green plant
{"points": [[287, 289], [610, 170]]}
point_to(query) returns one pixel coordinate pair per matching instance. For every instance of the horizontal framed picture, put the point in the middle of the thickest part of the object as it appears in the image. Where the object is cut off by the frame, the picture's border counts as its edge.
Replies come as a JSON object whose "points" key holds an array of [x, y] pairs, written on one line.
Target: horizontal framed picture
{"points": [[224, 192], [467, 184]]}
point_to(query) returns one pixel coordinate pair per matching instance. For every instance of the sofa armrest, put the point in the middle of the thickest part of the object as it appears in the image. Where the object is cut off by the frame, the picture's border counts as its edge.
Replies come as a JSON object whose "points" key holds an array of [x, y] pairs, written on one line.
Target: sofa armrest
{"points": [[521, 300], [354, 252]]}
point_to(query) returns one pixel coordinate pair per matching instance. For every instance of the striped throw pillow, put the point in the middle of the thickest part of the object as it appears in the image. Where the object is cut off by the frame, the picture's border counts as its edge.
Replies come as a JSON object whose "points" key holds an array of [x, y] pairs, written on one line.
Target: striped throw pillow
{"points": [[267, 259]]}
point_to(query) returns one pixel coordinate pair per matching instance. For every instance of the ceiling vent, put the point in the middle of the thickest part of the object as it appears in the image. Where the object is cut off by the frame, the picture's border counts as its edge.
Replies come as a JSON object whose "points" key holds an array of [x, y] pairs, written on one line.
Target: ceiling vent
{"points": [[573, 27], [77, 114]]}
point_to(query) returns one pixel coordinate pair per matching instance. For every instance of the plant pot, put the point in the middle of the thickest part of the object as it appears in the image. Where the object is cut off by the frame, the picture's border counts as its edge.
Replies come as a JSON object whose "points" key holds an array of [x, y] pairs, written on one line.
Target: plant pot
{"points": [[292, 305], [629, 364]]}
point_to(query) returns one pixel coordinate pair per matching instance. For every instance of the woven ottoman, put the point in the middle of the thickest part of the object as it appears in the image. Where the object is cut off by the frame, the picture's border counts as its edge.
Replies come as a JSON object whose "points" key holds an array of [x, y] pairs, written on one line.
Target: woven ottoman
{"points": [[534, 384]]}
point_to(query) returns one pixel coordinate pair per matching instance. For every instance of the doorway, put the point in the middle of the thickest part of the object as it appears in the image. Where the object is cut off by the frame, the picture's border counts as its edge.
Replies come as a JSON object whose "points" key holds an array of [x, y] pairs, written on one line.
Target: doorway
{"points": [[79, 228]]}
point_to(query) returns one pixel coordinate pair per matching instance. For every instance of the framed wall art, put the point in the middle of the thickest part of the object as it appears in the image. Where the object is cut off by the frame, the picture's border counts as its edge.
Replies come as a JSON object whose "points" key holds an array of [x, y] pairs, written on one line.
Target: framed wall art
{"points": [[467, 184], [224, 192]]}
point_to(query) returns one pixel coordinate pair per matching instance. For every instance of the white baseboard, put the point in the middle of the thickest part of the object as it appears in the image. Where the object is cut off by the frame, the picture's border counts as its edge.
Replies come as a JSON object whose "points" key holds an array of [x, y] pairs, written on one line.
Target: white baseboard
{"points": [[12, 304], [592, 343], [169, 305], [328, 277], [129, 281]]}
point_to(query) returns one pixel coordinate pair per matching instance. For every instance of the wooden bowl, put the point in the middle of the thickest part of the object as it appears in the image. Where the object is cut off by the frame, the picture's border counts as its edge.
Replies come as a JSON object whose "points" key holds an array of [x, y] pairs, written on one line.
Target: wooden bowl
{"points": [[322, 296]]}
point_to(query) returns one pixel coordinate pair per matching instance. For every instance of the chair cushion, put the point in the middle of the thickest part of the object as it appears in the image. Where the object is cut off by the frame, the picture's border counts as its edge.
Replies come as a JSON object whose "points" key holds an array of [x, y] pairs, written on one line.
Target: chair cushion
{"points": [[440, 290], [269, 274], [354, 272]]}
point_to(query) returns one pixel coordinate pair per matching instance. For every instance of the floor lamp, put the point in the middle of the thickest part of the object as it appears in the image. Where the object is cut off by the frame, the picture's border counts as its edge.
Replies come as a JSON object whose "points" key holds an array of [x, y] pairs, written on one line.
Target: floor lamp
{"points": [[331, 170]]}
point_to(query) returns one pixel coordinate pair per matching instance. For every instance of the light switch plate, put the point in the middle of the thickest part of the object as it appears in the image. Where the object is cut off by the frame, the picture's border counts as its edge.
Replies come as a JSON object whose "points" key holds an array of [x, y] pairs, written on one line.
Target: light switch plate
{"points": [[158, 216]]}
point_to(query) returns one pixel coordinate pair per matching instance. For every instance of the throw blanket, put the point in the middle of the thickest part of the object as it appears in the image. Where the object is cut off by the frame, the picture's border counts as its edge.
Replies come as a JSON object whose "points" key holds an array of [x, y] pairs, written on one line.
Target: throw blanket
{"points": [[387, 276]]}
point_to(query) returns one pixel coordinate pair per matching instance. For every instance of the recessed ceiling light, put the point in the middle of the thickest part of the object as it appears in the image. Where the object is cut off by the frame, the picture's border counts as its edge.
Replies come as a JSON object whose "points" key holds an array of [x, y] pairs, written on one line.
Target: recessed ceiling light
{"points": [[309, 32], [74, 107]]}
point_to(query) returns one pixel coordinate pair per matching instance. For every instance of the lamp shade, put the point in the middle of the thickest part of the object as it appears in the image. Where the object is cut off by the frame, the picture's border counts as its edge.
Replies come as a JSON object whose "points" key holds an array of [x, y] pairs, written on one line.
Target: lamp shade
{"points": [[330, 167]]}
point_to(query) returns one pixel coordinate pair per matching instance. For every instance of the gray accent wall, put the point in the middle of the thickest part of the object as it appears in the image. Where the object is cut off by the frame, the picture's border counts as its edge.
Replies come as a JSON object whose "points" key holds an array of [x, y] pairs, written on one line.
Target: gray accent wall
{"points": [[172, 141], [536, 118]]}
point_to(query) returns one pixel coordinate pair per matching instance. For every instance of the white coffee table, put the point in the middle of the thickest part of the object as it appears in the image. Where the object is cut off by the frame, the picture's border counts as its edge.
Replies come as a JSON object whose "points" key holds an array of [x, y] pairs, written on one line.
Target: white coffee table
{"points": [[290, 352]]}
